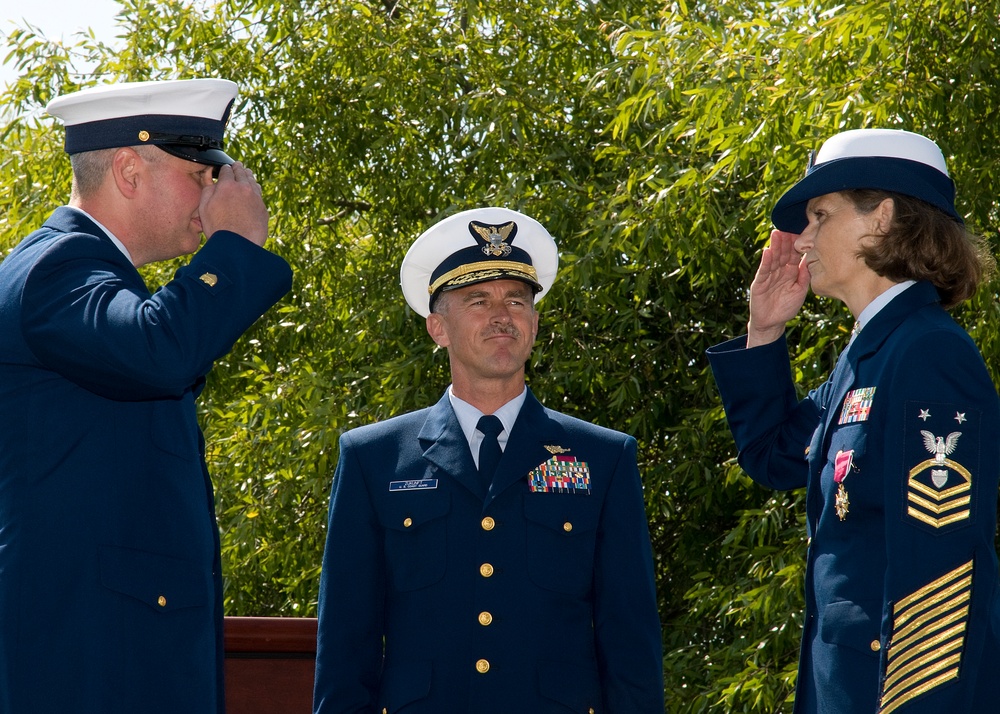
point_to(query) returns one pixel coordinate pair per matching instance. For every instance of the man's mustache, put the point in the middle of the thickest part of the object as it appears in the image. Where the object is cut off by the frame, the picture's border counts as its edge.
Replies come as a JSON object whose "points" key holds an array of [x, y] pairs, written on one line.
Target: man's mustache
{"points": [[501, 330]]}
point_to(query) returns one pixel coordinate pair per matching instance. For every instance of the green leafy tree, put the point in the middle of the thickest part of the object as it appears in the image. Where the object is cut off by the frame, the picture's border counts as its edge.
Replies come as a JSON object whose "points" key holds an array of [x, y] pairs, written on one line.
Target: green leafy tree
{"points": [[651, 141]]}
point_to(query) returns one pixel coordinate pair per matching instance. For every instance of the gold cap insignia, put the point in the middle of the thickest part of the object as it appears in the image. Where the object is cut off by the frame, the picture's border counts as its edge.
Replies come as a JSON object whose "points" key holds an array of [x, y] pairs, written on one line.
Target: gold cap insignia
{"points": [[495, 237], [210, 279]]}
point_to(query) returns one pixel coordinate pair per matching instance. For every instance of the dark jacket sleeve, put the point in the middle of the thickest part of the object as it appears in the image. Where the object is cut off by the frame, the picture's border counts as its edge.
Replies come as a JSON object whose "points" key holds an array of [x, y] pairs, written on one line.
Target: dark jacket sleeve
{"points": [[87, 315], [351, 593], [626, 619], [771, 427]]}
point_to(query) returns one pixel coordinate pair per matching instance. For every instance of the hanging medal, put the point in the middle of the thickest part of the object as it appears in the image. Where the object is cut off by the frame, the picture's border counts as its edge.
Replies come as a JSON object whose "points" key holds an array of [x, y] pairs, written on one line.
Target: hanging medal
{"points": [[841, 468]]}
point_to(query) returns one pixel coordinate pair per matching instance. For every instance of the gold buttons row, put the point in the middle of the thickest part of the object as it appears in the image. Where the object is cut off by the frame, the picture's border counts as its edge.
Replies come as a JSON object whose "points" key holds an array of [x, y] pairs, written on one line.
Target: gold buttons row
{"points": [[485, 618]]}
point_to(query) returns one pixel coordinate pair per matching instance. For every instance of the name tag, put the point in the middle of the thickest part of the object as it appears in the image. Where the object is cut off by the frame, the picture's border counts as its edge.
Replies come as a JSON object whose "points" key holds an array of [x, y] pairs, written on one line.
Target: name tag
{"points": [[415, 485]]}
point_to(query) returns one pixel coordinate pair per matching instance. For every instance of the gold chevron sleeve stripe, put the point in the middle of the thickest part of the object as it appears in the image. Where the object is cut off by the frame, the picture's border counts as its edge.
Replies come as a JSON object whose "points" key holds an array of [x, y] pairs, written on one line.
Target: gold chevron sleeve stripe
{"points": [[902, 615], [923, 592], [921, 662], [928, 638], [902, 657], [944, 506], [887, 707], [927, 673], [937, 522], [940, 495], [931, 622], [917, 616], [930, 463]]}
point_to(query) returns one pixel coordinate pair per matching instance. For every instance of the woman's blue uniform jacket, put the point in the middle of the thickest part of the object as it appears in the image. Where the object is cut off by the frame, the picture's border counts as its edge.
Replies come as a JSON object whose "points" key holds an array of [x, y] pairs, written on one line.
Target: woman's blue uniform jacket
{"points": [[110, 587], [440, 596], [900, 456]]}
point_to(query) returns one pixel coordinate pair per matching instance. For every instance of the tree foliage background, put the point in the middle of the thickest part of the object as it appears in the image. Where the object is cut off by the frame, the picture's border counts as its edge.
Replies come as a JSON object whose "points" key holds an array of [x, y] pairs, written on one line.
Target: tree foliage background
{"points": [[652, 141]]}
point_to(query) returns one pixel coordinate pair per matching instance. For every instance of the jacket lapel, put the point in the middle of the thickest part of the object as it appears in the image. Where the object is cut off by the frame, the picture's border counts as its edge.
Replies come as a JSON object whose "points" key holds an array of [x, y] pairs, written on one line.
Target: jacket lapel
{"points": [[446, 448]]}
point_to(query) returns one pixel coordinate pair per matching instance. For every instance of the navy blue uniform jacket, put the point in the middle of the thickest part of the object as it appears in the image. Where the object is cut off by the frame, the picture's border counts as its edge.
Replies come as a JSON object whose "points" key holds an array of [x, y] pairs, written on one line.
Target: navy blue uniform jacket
{"points": [[504, 601], [900, 455], [110, 589]]}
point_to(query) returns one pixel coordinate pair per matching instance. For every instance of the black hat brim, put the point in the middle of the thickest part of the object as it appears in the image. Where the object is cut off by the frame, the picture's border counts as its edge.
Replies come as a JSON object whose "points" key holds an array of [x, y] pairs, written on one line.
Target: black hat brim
{"points": [[211, 157]]}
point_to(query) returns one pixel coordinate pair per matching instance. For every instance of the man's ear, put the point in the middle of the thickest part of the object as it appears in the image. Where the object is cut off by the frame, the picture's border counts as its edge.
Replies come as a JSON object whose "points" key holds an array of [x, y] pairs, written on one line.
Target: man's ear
{"points": [[126, 168], [437, 329]]}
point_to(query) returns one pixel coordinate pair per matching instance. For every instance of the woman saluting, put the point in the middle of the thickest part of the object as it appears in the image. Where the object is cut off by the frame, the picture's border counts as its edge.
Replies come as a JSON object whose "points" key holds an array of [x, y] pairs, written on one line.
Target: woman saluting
{"points": [[899, 449]]}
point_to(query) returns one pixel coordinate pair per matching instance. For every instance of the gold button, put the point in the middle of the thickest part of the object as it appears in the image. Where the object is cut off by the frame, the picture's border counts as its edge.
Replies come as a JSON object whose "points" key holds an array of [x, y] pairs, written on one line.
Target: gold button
{"points": [[485, 618], [486, 570], [161, 601], [407, 522], [143, 135], [567, 526], [876, 645], [482, 666], [489, 524]]}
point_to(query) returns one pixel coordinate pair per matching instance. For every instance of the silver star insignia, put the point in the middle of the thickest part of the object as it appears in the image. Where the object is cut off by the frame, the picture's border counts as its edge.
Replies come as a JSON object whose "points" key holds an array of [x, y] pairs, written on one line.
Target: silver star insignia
{"points": [[925, 414], [960, 417]]}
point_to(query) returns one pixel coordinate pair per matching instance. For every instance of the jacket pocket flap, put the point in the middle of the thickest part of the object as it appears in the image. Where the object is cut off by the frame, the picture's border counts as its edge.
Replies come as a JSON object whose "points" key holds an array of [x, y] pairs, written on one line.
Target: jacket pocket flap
{"points": [[162, 582], [849, 624]]}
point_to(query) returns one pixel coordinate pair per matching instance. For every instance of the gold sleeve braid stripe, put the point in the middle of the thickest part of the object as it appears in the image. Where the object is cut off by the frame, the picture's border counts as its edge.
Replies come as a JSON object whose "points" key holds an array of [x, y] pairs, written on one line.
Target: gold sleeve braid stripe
{"points": [[928, 637]]}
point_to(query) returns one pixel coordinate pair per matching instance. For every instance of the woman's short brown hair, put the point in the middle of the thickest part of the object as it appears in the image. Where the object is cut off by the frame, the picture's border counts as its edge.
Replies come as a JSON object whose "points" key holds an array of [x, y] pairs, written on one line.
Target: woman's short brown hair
{"points": [[925, 244]]}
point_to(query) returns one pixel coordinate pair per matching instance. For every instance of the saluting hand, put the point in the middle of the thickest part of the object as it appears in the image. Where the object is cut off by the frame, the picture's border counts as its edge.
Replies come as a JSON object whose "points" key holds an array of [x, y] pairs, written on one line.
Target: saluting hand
{"points": [[778, 290], [234, 203]]}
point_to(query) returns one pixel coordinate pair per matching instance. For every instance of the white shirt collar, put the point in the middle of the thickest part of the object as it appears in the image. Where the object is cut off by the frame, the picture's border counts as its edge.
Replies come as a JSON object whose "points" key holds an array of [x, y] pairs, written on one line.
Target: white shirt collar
{"points": [[118, 243], [880, 302], [468, 417]]}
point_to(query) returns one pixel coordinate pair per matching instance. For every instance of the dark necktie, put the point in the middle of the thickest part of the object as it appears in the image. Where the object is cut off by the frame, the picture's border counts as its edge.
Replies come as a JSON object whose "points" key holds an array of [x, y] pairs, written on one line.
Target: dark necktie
{"points": [[489, 450]]}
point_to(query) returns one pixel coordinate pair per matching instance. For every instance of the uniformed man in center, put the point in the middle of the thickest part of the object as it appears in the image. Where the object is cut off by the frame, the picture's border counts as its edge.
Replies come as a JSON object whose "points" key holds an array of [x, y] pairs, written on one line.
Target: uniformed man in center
{"points": [[487, 554]]}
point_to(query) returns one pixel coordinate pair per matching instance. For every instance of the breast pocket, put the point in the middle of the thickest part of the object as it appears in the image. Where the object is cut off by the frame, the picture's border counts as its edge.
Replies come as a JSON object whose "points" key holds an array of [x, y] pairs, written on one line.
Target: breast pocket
{"points": [[561, 536], [416, 538]]}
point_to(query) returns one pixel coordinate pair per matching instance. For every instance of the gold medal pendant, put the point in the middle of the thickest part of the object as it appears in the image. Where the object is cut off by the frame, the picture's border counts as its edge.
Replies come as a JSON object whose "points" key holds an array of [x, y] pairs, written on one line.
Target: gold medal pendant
{"points": [[842, 503]]}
